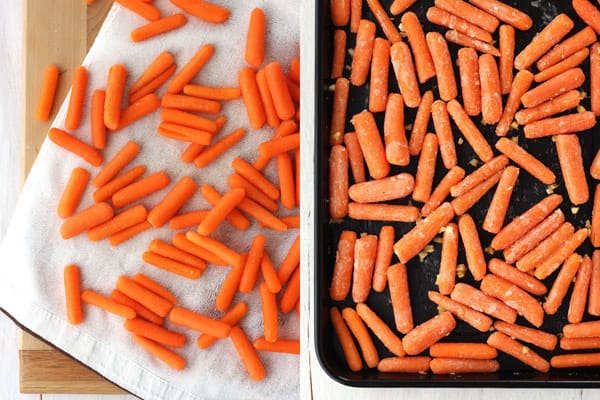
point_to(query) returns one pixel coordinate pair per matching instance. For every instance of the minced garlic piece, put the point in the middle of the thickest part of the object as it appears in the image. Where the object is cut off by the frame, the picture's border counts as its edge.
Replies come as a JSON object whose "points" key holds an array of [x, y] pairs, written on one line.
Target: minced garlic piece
{"points": [[460, 140], [490, 250], [440, 309], [514, 125], [574, 210], [581, 109], [351, 51], [461, 269], [515, 139], [474, 162], [525, 350]]}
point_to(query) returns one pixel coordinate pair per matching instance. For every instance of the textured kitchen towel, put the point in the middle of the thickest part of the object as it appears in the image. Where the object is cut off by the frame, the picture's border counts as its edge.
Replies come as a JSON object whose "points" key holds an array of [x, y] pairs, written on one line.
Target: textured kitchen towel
{"points": [[33, 255]]}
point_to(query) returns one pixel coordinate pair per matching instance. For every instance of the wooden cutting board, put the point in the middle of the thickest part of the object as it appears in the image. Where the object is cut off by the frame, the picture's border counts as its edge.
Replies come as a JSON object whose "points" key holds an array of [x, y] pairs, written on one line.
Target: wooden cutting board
{"points": [[59, 32]]}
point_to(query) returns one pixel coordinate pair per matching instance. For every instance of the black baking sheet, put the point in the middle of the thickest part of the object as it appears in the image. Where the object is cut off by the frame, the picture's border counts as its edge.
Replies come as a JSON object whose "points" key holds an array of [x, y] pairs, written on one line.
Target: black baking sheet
{"points": [[422, 274]]}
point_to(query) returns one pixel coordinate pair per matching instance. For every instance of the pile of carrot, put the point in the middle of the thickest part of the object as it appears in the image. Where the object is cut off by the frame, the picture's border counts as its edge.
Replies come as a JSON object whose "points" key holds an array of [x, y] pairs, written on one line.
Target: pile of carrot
{"points": [[523, 274], [190, 113]]}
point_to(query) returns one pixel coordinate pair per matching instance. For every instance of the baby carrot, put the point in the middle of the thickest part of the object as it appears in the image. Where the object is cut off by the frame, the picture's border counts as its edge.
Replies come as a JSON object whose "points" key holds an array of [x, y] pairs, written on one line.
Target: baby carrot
{"points": [[267, 100], [467, 41], [339, 110], [543, 41], [594, 298], [380, 329], [507, 56], [184, 133], [252, 265], [345, 338], [255, 40], [126, 219], [181, 242], [289, 263], [204, 10], [472, 245], [580, 291], [173, 266], [75, 146], [453, 177], [474, 318], [97, 127], [575, 360], [359, 331], [505, 13], [363, 50], [394, 134], [385, 251], [515, 297], [494, 218], [417, 238], [405, 72], [399, 295], [291, 295], [365, 252], [463, 366], [477, 351], [259, 213], [190, 120], [252, 174], [279, 91], [561, 83], [153, 85], [278, 346], [544, 340], [371, 144], [339, 53], [144, 10], [468, 67], [140, 189], [582, 329], [571, 165], [442, 17], [525, 160], [47, 93], [73, 191], [340, 12], [90, 217], [154, 332], [269, 313], [380, 68], [164, 249], [96, 299], [167, 356], [579, 343], [191, 69], [140, 310], [231, 317], [568, 63], [399, 6], [270, 275], [595, 78], [569, 123], [115, 86], [72, 282], [292, 221], [158, 27], [220, 211], [426, 168], [558, 104], [116, 164], [443, 65], [390, 188], [128, 233], [219, 147], [212, 93], [190, 103], [285, 173], [428, 333], [198, 322], [472, 14], [420, 124], [481, 302], [383, 212], [160, 64], [519, 226], [342, 269], [515, 349], [229, 256], [447, 274], [568, 47], [561, 284], [520, 85], [443, 130], [389, 28], [545, 247], [469, 130], [404, 364], [519, 278], [416, 37], [482, 173], [155, 287], [76, 99], [107, 190], [277, 146], [252, 192], [491, 90]]}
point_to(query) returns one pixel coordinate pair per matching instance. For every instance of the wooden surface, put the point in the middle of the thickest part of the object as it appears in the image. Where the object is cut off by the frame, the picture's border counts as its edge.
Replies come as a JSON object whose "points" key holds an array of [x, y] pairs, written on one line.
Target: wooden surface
{"points": [[60, 32]]}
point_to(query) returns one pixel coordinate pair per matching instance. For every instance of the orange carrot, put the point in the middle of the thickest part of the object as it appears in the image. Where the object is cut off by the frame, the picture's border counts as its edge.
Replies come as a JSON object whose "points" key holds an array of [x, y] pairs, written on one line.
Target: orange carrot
{"points": [[355, 157], [98, 129], [294, 70], [144, 10], [453, 177], [191, 69], [231, 317], [167, 356], [385, 250], [468, 66], [443, 130], [339, 110], [107, 190], [292, 221], [389, 28], [595, 77], [481, 302], [472, 244], [568, 47], [472, 14], [184, 133], [491, 90], [340, 12], [494, 218], [575, 360], [526, 161], [464, 202], [115, 86], [259, 213], [278, 346], [140, 189], [155, 287], [76, 99], [394, 135], [420, 124], [181, 242], [524, 222], [253, 175], [380, 67], [568, 63], [173, 266], [519, 278], [267, 100], [428, 333], [255, 40], [212, 93], [212, 245], [581, 330], [426, 168], [75, 146], [279, 91], [568, 123], [579, 343], [96, 299], [153, 85], [580, 291], [561, 83], [220, 211], [470, 131], [138, 109], [204, 10], [442, 17], [160, 64], [216, 149], [474, 318], [416, 239], [371, 144], [365, 252], [467, 41], [90, 217], [380, 329], [158, 27], [190, 120], [593, 301], [72, 282], [524, 304], [291, 295], [342, 270], [345, 338], [443, 65], [116, 164], [543, 41], [447, 275], [269, 274], [399, 295], [536, 337], [383, 212], [126, 219], [462, 366], [198, 322], [482, 173], [290, 262], [269, 312], [248, 354], [505, 13], [546, 247], [478, 351], [507, 57], [47, 93], [285, 172], [286, 128], [561, 284], [359, 331], [416, 37], [154, 332], [230, 285], [128, 233], [190, 103], [556, 105], [404, 364], [355, 14], [339, 53], [164, 249], [390, 188], [363, 50], [399, 6], [513, 348], [140, 310], [73, 191], [405, 72], [571, 165], [252, 192]]}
